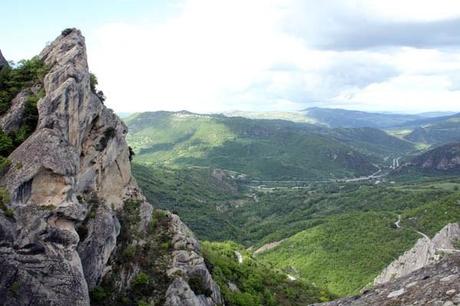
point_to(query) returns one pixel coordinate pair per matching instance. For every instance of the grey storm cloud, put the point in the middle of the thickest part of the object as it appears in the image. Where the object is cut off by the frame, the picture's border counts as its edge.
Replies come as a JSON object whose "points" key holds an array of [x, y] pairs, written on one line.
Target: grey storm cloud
{"points": [[360, 34], [332, 25], [327, 82], [358, 73]]}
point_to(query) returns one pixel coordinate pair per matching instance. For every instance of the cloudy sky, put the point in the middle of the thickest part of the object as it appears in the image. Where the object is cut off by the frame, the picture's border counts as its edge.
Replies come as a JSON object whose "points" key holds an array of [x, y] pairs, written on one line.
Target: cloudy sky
{"points": [[258, 55]]}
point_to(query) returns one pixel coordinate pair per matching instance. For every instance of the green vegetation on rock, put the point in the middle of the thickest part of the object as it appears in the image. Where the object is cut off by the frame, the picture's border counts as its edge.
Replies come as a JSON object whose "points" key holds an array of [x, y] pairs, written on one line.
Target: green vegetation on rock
{"points": [[147, 262], [23, 76]]}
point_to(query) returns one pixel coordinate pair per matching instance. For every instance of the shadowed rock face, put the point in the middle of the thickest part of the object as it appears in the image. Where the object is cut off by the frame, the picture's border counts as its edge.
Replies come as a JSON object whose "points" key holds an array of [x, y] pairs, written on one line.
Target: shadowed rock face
{"points": [[74, 172], [427, 274], [437, 284], [425, 252], [3, 61], [444, 158]]}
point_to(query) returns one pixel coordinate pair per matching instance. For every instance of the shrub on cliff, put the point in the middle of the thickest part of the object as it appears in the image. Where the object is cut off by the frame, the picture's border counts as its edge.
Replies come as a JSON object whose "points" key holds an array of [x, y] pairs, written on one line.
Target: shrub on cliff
{"points": [[17, 77], [93, 82]]}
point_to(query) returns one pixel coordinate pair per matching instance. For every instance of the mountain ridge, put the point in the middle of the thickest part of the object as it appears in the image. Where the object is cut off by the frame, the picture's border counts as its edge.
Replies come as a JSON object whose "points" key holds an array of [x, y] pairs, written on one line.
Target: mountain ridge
{"points": [[72, 214], [296, 150]]}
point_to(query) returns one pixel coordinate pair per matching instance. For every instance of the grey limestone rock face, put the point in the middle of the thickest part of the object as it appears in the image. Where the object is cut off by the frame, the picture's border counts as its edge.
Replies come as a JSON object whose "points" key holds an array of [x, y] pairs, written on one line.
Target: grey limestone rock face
{"points": [[187, 264], [67, 182], [11, 121], [436, 284], [3, 61], [428, 274], [425, 252]]}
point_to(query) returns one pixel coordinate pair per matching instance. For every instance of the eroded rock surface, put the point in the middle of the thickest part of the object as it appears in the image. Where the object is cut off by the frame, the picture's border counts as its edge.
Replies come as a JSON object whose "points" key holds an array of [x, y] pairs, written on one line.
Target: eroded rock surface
{"points": [[425, 252], [427, 274], [188, 264], [11, 121], [68, 183], [3, 61], [437, 284]]}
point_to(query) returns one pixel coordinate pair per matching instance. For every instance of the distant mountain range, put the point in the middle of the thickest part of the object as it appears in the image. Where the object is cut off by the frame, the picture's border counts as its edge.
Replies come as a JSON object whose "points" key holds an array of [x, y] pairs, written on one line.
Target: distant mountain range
{"points": [[263, 149], [442, 160], [353, 119], [342, 118], [272, 180], [435, 131]]}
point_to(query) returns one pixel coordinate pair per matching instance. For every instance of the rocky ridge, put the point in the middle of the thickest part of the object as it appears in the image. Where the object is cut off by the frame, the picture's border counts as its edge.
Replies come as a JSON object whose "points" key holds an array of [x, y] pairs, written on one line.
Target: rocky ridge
{"points": [[69, 185], [445, 158], [427, 274], [437, 284], [3, 61], [425, 252]]}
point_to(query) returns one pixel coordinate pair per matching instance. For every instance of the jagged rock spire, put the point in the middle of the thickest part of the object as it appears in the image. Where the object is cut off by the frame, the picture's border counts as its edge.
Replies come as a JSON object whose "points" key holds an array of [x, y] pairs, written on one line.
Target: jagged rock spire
{"points": [[74, 173], [3, 61]]}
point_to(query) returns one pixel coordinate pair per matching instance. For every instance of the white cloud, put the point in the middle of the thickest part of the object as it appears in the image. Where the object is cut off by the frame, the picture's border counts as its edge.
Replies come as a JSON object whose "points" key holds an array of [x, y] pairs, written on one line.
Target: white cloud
{"points": [[406, 93], [413, 10], [226, 55], [190, 61]]}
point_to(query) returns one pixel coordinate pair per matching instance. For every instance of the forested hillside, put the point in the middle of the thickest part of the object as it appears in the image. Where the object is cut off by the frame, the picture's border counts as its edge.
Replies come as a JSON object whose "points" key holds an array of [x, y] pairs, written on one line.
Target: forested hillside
{"points": [[316, 203]]}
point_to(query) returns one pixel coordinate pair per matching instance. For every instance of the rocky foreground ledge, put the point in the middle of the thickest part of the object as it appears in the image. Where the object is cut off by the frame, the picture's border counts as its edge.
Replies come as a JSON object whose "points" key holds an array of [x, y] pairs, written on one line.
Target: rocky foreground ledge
{"points": [[427, 274], [437, 285], [78, 226]]}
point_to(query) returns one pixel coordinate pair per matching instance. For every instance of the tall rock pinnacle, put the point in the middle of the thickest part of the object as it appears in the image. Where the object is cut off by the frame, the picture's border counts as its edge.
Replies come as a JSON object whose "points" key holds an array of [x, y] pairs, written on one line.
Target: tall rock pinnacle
{"points": [[3, 61], [69, 183]]}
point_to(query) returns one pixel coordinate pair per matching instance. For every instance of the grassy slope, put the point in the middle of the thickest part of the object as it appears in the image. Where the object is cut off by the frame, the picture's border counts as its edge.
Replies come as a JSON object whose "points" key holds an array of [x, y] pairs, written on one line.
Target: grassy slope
{"points": [[347, 251], [281, 214]]}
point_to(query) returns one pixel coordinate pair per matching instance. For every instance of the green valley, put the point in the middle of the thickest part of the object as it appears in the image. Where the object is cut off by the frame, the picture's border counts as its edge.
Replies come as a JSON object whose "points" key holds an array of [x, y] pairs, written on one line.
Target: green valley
{"points": [[316, 203], [260, 149]]}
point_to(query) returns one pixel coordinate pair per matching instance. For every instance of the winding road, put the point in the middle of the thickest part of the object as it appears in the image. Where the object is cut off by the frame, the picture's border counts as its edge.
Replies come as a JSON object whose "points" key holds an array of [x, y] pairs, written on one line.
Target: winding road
{"points": [[398, 225], [239, 257]]}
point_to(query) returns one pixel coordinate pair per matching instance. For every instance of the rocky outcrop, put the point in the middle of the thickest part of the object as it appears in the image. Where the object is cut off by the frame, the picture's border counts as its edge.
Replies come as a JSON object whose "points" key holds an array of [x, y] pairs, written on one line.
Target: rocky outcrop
{"points": [[187, 264], [427, 274], [437, 284], [444, 158], [268, 246], [425, 252], [69, 183], [14, 117], [3, 61]]}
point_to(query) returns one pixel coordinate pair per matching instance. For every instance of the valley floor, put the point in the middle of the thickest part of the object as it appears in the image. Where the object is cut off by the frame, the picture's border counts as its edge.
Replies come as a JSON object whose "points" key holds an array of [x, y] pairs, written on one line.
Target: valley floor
{"points": [[338, 235]]}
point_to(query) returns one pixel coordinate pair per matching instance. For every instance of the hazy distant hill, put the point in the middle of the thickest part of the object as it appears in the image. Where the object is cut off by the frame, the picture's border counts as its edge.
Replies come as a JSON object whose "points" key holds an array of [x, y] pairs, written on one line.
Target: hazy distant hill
{"points": [[438, 130], [373, 141], [436, 114], [290, 116], [336, 118]]}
